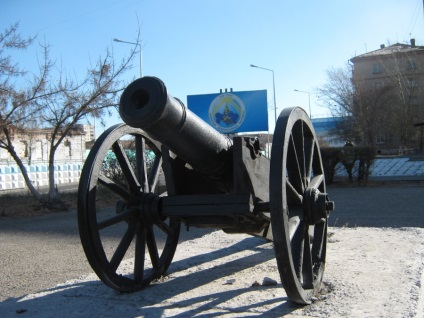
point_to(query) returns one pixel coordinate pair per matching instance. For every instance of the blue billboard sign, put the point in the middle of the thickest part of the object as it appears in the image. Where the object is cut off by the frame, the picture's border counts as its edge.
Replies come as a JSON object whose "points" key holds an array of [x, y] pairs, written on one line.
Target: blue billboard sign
{"points": [[232, 112]]}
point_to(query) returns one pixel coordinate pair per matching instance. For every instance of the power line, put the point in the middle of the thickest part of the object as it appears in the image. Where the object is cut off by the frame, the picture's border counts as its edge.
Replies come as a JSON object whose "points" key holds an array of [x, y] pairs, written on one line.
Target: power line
{"points": [[414, 19]]}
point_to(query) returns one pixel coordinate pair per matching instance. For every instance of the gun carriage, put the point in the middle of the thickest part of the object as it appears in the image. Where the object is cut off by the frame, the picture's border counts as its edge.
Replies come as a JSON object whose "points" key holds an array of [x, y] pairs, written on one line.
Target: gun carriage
{"points": [[210, 180]]}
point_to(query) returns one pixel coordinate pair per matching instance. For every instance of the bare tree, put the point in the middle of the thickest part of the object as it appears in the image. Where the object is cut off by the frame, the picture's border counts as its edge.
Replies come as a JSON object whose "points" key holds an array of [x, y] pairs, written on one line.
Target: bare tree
{"points": [[360, 107], [338, 94], [17, 105], [94, 96], [370, 109], [58, 104], [402, 78]]}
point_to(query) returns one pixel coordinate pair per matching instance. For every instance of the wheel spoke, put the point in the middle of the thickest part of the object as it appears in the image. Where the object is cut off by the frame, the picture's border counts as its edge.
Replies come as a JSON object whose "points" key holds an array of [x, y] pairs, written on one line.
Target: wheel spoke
{"points": [[307, 272], [293, 167], [298, 141], [309, 156], [154, 172], [117, 189], [165, 228], [316, 181], [122, 248], [294, 223], [153, 249], [124, 216], [297, 246], [140, 251], [316, 162], [293, 197], [122, 158], [168, 171], [141, 162], [318, 246]]}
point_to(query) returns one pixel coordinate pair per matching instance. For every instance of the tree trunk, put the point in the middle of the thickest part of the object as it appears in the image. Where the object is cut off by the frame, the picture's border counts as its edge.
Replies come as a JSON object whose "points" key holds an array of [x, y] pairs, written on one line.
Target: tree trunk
{"points": [[24, 172], [53, 194]]}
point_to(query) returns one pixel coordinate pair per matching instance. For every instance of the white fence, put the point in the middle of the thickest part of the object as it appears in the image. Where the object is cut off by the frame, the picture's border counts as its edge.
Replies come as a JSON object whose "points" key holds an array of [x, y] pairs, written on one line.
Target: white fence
{"points": [[11, 176], [389, 167]]}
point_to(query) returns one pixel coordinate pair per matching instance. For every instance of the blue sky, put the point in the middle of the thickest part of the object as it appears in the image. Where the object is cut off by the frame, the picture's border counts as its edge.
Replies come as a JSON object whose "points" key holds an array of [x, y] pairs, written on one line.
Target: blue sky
{"points": [[199, 47]]}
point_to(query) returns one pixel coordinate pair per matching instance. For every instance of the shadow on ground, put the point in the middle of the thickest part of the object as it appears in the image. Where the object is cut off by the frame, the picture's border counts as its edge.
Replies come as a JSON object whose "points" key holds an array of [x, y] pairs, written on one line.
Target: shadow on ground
{"points": [[175, 295]]}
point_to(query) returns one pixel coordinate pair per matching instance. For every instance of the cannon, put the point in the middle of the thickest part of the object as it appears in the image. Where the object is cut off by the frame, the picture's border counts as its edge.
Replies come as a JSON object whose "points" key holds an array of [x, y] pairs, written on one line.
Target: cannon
{"points": [[165, 167]]}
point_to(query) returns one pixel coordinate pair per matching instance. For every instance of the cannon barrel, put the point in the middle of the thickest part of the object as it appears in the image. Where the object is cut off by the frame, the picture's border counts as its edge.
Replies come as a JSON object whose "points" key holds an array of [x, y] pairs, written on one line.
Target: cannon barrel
{"points": [[146, 104]]}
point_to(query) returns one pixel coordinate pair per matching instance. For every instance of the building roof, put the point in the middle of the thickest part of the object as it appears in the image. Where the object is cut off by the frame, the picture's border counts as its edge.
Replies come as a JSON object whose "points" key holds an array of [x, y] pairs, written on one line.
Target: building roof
{"points": [[35, 131], [397, 48]]}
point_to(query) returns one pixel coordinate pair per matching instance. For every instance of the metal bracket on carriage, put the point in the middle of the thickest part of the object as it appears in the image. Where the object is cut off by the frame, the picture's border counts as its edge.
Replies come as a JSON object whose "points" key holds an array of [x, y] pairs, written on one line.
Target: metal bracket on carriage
{"points": [[253, 145]]}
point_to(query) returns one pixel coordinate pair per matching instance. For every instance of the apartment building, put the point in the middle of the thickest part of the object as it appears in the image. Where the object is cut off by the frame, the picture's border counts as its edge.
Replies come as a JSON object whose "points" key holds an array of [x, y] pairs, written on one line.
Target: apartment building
{"points": [[398, 71]]}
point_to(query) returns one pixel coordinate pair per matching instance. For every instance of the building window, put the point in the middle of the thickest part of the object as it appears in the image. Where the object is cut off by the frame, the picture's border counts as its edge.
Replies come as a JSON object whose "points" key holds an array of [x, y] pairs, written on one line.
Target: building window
{"points": [[411, 65], [412, 83], [380, 139], [25, 150], [377, 68], [414, 100], [378, 85]]}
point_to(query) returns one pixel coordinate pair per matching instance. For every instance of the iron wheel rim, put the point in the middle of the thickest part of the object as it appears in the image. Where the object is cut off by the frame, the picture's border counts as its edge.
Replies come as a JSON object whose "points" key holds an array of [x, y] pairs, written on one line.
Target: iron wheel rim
{"points": [[140, 233], [296, 166]]}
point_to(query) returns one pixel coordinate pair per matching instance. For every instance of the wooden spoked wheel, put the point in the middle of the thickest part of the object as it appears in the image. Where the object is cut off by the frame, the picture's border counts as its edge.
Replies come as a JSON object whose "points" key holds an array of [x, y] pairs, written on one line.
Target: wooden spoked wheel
{"points": [[299, 205], [126, 244]]}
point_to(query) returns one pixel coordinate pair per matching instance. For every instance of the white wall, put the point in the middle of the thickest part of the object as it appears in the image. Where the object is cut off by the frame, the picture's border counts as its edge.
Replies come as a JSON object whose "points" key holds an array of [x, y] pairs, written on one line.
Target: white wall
{"points": [[34, 152]]}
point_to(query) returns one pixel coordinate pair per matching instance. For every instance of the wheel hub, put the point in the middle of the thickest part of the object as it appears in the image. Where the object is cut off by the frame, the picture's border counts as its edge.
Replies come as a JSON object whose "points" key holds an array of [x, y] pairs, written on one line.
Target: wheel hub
{"points": [[316, 206], [147, 208]]}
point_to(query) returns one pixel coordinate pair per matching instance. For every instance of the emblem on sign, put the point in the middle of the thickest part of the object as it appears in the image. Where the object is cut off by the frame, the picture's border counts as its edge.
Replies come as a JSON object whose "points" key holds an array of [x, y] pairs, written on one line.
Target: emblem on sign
{"points": [[227, 112]]}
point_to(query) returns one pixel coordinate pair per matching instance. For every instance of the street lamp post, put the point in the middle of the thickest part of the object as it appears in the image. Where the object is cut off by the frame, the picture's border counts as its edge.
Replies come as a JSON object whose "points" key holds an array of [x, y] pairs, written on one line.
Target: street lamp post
{"points": [[273, 87], [136, 44], [309, 100]]}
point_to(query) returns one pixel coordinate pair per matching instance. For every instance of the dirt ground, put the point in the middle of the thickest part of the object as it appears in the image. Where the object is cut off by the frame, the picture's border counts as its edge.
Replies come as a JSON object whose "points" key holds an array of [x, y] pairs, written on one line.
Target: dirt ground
{"points": [[375, 268], [23, 204], [371, 272]]}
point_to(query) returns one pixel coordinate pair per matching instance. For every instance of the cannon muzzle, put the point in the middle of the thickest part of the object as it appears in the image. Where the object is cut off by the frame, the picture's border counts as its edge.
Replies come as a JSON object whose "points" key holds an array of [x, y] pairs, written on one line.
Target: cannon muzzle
{"points": [[146, 104]]}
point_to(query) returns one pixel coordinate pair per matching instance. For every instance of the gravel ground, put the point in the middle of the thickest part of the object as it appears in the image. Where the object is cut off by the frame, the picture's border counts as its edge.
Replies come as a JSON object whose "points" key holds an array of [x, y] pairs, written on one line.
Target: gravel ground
{"points": [[371, 272], [375, 268]]}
